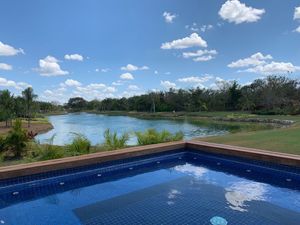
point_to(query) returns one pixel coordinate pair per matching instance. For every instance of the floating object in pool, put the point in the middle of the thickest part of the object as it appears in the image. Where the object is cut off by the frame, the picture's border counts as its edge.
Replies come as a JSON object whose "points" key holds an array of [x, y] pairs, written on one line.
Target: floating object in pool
{"points": [[61, 183], [217, 220], [99, 175], [288, 180], [248, 171], [15, 193]]}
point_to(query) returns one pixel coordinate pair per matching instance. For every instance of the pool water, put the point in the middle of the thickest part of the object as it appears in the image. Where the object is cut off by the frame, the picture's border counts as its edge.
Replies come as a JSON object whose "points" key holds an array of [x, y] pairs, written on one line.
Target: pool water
{"points": [[178, 187]]}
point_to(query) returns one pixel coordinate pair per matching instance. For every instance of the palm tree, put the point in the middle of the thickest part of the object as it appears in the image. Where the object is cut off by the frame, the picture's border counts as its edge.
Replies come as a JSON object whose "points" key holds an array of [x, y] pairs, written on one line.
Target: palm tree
{"points": [[29, 98], [7, 105]]}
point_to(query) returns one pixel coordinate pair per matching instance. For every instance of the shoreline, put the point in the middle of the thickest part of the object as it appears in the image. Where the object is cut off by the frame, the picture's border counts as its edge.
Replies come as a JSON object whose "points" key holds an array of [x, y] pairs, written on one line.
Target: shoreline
{"points": [[35, 127]]}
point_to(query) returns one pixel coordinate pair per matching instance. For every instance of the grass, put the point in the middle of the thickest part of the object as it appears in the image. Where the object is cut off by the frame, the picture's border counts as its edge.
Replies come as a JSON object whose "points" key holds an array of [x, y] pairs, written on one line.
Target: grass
{"points": [[286, 140]]}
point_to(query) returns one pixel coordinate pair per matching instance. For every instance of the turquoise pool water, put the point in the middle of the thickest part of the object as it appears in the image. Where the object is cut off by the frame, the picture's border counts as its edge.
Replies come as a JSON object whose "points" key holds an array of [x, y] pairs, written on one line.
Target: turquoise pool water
{"points": [[180, 187], [94, 125]]}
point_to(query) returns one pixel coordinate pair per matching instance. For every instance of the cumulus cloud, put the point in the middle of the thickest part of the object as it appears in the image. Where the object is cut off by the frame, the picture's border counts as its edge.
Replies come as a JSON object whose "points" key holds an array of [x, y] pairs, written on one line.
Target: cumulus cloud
{"points": [[262, 64], [49, 67], [133, 88], [236, 12], [167, 84], [72, 83], [194, 40], [200, 55], [126, 76], [196, 79], [297, 29], [297, 13], [10, 83], [131, 67], [254, 60], [75, 57], [4, 66], [7, 50], [169, 17]]}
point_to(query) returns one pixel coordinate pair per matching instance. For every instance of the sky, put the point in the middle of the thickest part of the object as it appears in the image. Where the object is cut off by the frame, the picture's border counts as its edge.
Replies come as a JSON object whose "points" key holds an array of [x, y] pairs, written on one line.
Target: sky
{"points": [[115, 48]]}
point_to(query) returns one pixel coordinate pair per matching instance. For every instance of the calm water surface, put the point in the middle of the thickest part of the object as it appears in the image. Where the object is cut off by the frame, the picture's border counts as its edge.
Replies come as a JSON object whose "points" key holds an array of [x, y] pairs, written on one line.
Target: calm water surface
{"points": [[93, 127]]}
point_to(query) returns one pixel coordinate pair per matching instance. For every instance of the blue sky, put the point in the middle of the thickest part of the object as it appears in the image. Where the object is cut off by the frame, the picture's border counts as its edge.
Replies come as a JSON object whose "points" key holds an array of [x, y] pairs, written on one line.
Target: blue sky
{"points": [[98, 49]]}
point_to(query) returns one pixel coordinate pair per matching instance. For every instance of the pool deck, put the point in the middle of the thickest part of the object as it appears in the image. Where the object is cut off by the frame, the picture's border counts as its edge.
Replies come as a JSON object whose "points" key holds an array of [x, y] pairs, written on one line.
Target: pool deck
{"points": [[83, 160]]}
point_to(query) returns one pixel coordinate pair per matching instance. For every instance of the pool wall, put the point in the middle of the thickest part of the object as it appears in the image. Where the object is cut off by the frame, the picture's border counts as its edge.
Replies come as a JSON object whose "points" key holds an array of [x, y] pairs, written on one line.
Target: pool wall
{"points": [[95, 158]]}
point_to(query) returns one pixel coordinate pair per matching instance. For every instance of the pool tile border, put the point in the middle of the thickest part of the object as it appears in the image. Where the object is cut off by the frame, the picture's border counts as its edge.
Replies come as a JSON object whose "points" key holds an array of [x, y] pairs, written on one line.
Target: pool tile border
{"points": [[94, 158]]}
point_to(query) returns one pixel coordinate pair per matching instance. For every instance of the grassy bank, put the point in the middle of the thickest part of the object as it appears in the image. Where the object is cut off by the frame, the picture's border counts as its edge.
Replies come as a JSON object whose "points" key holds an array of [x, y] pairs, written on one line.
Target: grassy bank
{"points": [[285, 139]]}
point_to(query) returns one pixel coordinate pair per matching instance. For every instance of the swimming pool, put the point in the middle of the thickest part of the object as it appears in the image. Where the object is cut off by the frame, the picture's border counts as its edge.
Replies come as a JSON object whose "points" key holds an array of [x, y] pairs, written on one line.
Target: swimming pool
{"points": [[182, 186]]}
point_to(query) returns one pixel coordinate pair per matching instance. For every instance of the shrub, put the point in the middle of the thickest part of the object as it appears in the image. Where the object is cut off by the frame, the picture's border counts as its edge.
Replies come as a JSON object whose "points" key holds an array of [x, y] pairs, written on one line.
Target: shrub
{"points": [[112, 141], [2, 143], [80, 145], [16, 139], [152, 136], [46, 151]]}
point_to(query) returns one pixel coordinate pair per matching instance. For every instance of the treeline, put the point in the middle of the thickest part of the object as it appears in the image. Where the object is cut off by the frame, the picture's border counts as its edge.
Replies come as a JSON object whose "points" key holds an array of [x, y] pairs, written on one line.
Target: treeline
{"points": [[24, 106], [272, 95]]}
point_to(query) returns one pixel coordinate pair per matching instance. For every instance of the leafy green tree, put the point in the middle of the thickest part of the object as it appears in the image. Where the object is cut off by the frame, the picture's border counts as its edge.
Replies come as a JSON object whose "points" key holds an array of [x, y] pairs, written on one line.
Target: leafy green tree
{"points": [[7, 107], [29, 98], [16, 139]]}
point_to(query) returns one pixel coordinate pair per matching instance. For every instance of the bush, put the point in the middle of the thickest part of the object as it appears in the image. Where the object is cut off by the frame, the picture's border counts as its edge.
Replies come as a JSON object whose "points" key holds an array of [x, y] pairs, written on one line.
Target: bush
{"points": [[46, 151], [2, 143], [80, 145], [112, 141], [16, 139], [152, 136]]}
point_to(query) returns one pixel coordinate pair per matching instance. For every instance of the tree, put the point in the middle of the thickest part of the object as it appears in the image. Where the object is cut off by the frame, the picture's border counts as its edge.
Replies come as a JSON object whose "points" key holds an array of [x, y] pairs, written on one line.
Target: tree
{"points": [[16, 139], [77, 104], [29, 98], [6, 106]]}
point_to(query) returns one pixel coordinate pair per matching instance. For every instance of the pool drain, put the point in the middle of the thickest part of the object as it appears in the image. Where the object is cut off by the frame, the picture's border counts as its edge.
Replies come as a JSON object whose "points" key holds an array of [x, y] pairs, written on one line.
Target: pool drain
{"points": [[217, 220]]}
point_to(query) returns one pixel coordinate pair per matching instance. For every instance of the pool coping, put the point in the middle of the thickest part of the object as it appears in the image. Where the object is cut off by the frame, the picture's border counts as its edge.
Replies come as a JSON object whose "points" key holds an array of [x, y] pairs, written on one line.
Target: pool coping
{"points": [[100, 157]]}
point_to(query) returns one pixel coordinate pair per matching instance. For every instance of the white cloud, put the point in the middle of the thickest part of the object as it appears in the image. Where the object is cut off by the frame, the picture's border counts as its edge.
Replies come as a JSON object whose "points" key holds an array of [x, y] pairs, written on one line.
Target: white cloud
{"points": [[117, 83], [169, 17], [4, 66], [10, 83], [194, 40], [261, 64], [75, 57], [72, 83], [207, 27], [236, 12], [254, 60], [104, 70], [297, 13], [196, 79], [167, 84], [49, 67], [95, 91], [274, 68], [297, 29], [7, 50], [126, 76], [133, 88], [131, 67], [200, 55]]}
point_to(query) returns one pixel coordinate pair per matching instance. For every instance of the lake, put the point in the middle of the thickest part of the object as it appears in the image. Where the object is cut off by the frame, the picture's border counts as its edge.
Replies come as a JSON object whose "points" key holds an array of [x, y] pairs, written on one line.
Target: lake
{"points": [[93, 126]]}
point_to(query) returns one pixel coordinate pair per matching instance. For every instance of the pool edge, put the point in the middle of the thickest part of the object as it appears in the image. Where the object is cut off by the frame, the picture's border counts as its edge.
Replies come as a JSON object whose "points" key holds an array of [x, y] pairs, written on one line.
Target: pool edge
{"points": [[83, 160]]}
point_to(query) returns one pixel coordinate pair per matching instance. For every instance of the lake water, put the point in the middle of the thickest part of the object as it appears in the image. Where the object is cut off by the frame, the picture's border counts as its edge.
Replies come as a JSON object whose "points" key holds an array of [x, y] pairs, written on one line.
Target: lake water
{"points": [[93, 126]]}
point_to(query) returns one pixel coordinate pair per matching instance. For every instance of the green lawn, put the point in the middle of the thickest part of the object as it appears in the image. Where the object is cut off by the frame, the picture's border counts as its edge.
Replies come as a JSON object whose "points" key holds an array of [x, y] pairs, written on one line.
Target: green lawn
{"points": [[285, 140]]}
